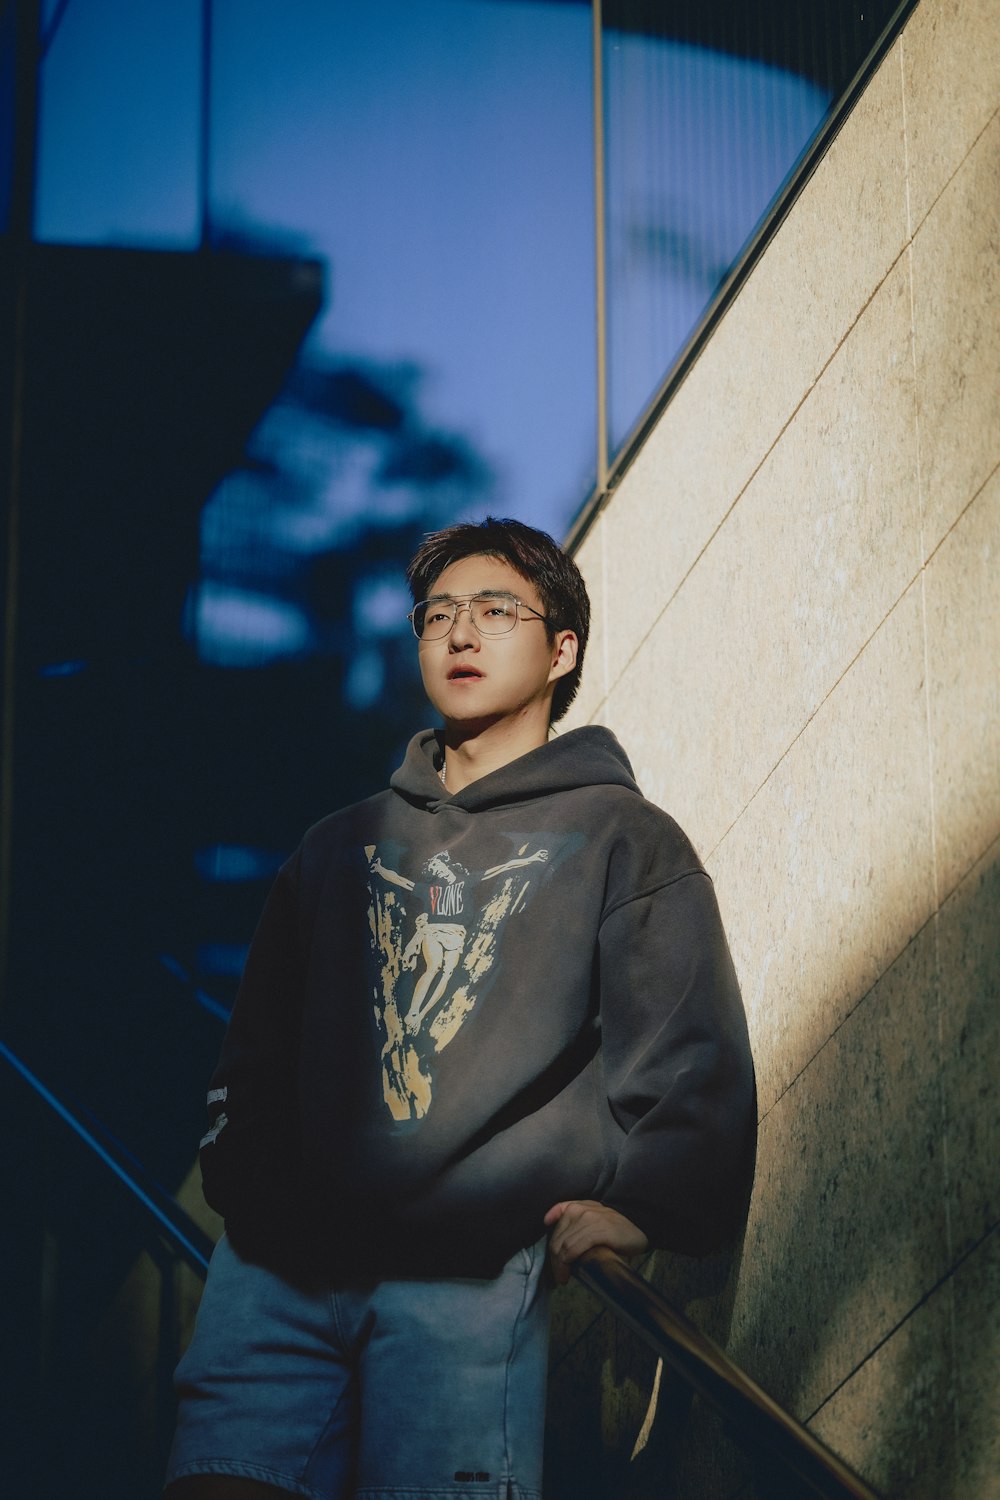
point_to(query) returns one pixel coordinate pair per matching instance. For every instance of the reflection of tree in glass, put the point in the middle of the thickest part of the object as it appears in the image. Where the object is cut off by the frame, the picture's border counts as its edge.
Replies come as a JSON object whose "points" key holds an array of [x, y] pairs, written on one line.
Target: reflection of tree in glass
{"points": [[308, 682], [301, 588], [341, 468]]}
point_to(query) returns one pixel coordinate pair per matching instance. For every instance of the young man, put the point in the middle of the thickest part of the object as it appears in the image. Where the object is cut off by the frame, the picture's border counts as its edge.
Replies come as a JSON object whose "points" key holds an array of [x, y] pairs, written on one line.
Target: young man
{"points": [[490, 1004]]}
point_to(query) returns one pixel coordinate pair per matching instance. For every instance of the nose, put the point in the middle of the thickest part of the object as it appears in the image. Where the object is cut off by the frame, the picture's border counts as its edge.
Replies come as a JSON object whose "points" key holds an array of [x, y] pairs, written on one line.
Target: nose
{"points": [[463, 633]]}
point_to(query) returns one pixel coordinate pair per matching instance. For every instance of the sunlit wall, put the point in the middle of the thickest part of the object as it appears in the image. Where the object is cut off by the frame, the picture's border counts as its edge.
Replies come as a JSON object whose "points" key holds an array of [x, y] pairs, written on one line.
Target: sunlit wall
{"points": [[802, 662]]}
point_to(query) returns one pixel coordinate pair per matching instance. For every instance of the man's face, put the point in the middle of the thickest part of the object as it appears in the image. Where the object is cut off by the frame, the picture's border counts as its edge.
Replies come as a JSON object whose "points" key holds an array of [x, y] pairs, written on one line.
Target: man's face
{"points": [[472, 678]]}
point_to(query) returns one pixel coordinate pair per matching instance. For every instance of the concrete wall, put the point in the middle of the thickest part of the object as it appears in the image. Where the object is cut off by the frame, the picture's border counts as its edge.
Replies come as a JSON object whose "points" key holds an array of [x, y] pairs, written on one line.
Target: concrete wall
{"points": [[797, 591]]}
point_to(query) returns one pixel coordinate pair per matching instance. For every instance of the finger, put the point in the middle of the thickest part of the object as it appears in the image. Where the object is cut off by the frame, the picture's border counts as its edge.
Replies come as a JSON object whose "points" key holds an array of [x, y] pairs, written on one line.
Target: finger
{"points": [[571, 1215], [625, 1238], [568, 1220], [571, 1208], [560, 1270], [572, 1237], [586, 1232], [571, 1247]]}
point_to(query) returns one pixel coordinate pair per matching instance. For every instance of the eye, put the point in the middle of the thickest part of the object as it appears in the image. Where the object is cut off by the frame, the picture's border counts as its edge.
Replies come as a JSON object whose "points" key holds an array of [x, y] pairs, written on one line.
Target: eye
{"points": [[435, 616], [496, 608]]}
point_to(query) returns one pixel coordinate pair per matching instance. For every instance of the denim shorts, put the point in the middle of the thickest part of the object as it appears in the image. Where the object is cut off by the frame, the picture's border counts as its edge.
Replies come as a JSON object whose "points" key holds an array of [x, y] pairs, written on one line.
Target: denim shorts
{"points": [[402, 1389]]}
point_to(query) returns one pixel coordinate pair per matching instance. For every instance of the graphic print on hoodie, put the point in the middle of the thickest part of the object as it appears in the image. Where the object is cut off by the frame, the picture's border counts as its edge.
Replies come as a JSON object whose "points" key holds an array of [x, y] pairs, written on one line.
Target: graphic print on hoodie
{"points": [[437, 945], [603, 1052]]}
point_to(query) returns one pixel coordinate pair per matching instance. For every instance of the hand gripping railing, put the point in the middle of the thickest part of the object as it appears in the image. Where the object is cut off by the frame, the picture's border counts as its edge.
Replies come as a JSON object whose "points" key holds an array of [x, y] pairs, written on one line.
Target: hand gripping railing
{"points": [[759, 1420]]}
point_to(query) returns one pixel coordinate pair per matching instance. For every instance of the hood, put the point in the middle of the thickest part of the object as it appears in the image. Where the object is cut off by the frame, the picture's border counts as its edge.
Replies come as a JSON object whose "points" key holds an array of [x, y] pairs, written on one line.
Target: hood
{"points": [[586, 757]]}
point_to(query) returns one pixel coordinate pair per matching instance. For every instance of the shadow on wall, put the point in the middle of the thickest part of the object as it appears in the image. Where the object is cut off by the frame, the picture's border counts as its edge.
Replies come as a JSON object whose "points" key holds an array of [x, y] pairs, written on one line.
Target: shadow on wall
{"points": [[618, 1425], [854, 1263], [876, 1178]]}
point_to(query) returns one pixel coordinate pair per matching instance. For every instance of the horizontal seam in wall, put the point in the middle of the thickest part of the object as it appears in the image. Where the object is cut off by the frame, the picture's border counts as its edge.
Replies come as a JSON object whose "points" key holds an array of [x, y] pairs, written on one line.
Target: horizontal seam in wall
{"points": [[754, 472], [812, 715], [781, 432], [847, 1016], [951, 178], [987, 853], [850, 665], [931, 1292], [962, 513]]}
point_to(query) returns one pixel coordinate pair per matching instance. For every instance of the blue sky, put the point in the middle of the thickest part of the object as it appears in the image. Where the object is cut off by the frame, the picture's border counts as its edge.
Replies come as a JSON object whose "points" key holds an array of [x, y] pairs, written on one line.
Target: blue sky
{"points": [[438, 157]]}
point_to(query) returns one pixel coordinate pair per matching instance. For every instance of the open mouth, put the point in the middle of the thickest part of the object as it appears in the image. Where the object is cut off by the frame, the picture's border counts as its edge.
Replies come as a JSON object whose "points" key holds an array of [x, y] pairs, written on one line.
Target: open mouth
{"points": [[463, 674]]}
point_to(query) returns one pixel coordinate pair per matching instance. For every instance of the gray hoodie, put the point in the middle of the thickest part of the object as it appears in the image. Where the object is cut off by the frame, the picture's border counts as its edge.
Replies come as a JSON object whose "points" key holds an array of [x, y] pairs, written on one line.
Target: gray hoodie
{"points": [[459, 1010]]}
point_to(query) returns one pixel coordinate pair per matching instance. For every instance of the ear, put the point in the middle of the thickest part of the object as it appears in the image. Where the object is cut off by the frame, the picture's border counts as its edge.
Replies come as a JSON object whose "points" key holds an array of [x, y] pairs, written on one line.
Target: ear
{"points": [[564, 650]]}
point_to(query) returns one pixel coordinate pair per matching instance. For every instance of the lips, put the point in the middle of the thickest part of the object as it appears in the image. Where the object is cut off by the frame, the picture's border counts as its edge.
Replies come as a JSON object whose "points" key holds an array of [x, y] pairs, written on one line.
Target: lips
{"points": [[464, 674]]}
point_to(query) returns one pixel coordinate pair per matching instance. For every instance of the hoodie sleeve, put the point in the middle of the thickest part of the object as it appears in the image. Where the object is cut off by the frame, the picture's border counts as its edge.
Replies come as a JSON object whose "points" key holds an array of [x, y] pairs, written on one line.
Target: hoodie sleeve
{"points": [[249, 1155], [678, 1070]]}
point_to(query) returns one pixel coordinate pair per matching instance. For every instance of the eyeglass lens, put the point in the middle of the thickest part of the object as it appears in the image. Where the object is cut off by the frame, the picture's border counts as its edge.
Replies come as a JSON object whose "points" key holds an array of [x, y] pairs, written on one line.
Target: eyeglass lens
{"points": [[492, 614]]}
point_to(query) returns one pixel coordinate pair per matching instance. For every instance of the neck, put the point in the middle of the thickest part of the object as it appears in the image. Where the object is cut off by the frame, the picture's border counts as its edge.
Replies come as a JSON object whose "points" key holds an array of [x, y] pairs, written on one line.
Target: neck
{"points": [[472, 753]]}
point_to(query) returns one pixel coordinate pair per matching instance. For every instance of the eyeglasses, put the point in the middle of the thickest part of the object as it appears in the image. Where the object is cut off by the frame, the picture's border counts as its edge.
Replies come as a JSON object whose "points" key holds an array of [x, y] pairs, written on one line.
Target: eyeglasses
{"points": [[491, 614]]}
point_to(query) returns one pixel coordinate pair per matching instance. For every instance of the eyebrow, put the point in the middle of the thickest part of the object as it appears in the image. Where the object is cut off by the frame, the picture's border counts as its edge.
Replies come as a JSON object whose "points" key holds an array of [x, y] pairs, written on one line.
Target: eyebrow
{"points": [[479, 594]]}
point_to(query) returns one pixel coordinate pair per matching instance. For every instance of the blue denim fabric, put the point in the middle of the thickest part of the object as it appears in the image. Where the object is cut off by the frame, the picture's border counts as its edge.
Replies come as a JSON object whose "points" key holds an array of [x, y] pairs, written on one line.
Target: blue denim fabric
{"points": [[402, 1389]]}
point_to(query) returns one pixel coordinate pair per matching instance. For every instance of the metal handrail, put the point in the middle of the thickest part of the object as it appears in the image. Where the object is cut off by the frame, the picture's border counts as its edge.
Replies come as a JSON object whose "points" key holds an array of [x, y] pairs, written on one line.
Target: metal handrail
{"points": [[173, 1225], [678, 1342], [708, 1370]]}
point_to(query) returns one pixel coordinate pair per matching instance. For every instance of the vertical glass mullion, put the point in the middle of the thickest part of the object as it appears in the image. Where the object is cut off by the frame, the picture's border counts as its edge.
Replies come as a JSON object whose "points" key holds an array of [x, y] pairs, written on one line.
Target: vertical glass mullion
{"points": [[600, 280], [205, 128], [26, 24]]}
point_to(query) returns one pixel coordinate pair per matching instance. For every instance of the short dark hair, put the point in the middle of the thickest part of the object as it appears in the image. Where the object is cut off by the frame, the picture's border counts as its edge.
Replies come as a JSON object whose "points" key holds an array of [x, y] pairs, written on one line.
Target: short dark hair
{"points": [[537, 558]]}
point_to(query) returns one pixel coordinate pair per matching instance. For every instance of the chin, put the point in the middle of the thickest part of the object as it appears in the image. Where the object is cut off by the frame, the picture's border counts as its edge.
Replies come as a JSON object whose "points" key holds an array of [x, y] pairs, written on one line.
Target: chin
{"points": [[469, 719]]}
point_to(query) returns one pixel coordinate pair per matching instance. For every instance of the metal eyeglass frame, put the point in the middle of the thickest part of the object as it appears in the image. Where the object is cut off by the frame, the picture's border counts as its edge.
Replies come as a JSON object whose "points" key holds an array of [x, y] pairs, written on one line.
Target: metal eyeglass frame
{"points": [[458, 602]]}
